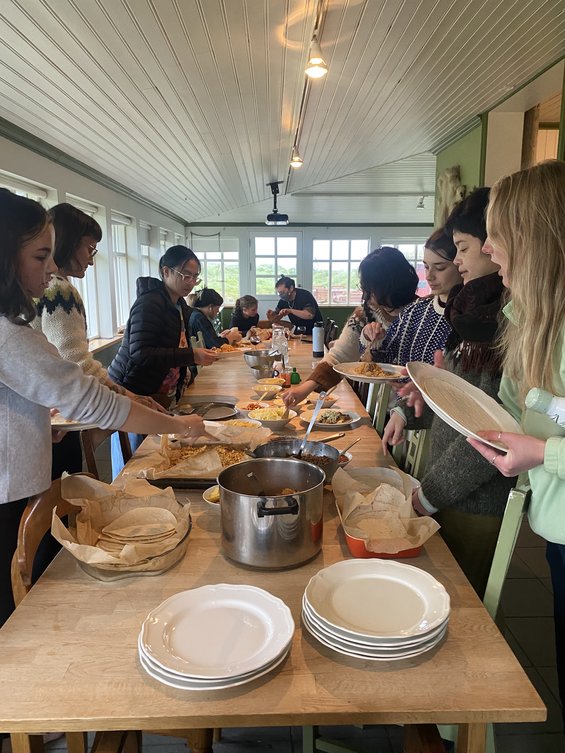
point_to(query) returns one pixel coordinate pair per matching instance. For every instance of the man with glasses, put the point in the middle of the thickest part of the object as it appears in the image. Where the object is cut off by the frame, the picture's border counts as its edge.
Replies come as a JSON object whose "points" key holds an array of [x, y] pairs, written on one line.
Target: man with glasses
{"points": [[297, 304]]}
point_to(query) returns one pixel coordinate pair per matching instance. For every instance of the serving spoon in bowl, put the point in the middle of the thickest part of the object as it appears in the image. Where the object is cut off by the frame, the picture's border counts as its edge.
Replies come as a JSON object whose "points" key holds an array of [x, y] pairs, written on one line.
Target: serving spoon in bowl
{"points": [[317, 408]]}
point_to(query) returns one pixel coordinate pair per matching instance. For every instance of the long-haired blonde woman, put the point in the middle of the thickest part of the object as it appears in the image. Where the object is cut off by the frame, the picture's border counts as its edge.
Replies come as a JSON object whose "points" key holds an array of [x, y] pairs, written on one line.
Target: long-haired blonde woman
{"points": [[526, 238]]}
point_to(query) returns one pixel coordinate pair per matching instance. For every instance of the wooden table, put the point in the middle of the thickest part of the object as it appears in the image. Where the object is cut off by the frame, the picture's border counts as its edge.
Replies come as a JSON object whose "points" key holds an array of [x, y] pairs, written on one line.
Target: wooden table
{"points": [[68, 655]]}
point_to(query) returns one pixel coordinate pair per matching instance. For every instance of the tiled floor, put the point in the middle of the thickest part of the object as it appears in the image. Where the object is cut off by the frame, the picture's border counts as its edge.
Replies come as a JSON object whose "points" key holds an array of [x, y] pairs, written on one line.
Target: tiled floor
{"points": [[528, 628]]}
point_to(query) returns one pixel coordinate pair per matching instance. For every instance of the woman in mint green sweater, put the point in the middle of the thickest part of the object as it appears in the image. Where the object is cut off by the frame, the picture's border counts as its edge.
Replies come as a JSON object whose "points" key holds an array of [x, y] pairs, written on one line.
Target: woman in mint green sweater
{"points": [[526, 238]]}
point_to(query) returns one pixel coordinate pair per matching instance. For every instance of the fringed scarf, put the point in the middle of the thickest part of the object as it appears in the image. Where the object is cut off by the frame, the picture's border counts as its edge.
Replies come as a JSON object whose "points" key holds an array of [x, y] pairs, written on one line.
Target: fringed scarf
{"points": [[474, 311]]}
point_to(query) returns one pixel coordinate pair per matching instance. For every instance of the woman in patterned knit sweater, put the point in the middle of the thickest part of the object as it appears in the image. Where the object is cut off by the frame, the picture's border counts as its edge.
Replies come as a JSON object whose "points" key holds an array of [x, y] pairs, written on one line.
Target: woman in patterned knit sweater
{"points": [[422, 328], [62, 317]]}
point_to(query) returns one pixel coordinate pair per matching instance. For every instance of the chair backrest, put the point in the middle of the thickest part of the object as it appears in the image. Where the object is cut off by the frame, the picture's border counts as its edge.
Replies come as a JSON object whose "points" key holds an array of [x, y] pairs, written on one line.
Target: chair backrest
{"points": [[411, 455], [516, 508], [197, 341], [376, 404], [92, 439], [331, 331], [34, 524]]}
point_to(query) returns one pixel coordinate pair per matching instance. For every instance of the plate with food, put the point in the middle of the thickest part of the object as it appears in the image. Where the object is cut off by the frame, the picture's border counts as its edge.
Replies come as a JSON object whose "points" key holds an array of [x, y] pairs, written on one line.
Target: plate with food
{"points": [[247, 405], [67, 424], [370, 372], [212, 496], [331, 417], [230, 350], [464, 407]]}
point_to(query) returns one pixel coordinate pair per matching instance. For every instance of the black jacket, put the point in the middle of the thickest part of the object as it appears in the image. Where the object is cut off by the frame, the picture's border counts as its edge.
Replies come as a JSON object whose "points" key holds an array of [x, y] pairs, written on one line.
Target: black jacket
{"points": [[150, 344]]}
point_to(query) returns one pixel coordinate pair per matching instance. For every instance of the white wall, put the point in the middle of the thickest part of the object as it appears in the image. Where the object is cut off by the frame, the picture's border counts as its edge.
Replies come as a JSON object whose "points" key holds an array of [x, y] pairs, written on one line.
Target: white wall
{"points": [[504, 145]]}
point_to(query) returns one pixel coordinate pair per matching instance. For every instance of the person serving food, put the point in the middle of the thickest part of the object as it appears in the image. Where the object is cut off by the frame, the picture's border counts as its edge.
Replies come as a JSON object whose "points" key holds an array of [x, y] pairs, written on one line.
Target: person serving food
{"points": [[297, 304]]}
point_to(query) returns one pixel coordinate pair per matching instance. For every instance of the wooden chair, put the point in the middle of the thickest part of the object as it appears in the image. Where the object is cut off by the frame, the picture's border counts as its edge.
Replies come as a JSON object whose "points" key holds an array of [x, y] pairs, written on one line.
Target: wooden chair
{"points": [[331, 331], [92, 439], [35, 522], [197, 342], [514, 512], [412, 454], [376, 404]]}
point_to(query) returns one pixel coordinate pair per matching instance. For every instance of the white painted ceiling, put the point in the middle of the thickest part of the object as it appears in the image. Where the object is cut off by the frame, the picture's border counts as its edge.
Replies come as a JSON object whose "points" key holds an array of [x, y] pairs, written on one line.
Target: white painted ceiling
{"points": [[194, 104]]}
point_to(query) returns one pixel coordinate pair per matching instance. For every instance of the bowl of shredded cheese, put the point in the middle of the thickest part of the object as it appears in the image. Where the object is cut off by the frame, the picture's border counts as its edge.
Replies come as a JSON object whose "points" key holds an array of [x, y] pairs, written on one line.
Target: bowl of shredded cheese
{"points": [[272, 417]]}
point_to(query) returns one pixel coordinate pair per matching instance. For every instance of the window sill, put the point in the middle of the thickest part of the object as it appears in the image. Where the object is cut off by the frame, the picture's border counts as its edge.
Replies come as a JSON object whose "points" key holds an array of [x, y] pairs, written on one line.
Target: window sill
{"points": [[99, 343]]}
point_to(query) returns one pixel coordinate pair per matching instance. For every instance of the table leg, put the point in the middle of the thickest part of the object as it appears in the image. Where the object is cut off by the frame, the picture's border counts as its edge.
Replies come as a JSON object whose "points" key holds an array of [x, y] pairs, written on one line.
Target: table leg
{"points": [[422, 738], [200, 740], [471, 738], [23, 743]]}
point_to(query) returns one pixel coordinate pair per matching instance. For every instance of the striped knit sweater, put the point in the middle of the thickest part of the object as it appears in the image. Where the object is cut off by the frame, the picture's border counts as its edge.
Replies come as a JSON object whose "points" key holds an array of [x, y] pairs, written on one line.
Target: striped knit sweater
{"points": [[419, 331]]}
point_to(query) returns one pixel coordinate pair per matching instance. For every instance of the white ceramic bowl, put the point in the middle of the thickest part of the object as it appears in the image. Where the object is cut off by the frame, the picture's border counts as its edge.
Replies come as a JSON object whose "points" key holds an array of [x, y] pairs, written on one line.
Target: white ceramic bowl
{"points": [[274, 424], [248, 423], [261, 390], [272, 381], [343, 463], [311, 402], [241, 407], [207, 494]]}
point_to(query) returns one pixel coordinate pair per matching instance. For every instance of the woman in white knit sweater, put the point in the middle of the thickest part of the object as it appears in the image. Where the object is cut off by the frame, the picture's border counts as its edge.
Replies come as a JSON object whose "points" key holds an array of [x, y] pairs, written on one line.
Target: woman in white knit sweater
{"points": [[62, 316]]}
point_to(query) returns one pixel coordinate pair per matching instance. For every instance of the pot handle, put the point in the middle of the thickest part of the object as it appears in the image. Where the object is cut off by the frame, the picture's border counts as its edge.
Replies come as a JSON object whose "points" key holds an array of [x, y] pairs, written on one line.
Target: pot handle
{"points": [[263, 511]]}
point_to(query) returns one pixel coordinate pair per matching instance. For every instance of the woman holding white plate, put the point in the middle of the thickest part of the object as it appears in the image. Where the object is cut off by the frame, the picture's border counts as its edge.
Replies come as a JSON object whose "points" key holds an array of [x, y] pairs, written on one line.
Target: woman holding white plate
{"points": [[526, 232]]}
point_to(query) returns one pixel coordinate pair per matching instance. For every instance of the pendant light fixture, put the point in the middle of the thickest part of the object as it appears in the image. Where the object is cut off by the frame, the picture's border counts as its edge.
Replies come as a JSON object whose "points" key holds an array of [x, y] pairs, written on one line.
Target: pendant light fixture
{"points": [[296, 160], [316, 66]]}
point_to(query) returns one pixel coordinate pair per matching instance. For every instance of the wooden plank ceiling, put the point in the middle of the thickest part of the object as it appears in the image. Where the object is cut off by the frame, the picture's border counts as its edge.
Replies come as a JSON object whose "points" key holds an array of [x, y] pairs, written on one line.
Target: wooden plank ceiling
{"points": [[194, 103]]}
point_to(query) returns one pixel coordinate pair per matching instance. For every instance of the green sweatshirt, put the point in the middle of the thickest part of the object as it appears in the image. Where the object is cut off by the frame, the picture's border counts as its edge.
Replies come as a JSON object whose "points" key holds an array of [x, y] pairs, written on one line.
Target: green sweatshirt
{"points": [[547, 506]]}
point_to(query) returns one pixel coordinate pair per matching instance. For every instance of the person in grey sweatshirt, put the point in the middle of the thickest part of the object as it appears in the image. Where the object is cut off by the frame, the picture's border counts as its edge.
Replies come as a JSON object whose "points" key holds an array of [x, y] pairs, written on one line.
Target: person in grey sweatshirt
{"points": [[34, 379]]}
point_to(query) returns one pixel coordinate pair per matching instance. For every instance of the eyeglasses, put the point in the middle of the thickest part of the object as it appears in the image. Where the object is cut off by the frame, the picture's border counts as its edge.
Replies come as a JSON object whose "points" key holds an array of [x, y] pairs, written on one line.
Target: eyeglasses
{"points": [[188, 276], [92, 251]]}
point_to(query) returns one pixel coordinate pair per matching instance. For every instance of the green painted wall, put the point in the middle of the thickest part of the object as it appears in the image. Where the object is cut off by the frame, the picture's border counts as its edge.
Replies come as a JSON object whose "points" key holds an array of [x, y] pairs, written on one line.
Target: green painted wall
{"points": [[465, 152]]}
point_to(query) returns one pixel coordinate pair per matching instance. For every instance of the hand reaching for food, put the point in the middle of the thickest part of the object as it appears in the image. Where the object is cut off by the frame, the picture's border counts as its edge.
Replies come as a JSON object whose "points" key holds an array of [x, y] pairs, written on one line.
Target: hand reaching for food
{"points": [[190, 427], [204, 357], [374, 332]]}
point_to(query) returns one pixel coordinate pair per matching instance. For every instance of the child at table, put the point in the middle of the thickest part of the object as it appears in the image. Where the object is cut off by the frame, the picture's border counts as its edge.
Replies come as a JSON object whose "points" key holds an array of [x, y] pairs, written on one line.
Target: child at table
{"points": [[245, 314], [34, 378]]}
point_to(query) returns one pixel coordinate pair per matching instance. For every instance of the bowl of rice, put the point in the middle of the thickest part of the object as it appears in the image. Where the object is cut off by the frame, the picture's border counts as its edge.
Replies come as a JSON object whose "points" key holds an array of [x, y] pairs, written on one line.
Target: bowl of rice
{"points": [[266, 391], [272, 417]]}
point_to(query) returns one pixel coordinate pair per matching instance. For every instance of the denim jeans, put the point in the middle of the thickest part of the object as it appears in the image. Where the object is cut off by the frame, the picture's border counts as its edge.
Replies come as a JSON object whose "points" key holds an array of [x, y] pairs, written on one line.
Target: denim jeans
{"points": [[555, 554], [116, 450]]}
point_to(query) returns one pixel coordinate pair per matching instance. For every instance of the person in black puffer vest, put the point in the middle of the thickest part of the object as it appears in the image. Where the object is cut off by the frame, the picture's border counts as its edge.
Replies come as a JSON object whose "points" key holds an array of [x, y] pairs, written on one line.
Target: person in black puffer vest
{"points": [[155, 357]]}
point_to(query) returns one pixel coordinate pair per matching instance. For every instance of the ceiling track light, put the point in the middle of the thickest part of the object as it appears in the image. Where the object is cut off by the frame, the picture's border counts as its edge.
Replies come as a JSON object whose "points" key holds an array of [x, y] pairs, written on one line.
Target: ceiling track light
{"points": [[275, 217], [296, 160], [316, 66]]}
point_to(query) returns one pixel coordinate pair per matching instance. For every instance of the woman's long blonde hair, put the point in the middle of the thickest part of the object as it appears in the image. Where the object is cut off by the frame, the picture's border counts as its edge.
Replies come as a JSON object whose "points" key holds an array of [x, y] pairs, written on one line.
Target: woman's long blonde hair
{"points": [[526, 218]]}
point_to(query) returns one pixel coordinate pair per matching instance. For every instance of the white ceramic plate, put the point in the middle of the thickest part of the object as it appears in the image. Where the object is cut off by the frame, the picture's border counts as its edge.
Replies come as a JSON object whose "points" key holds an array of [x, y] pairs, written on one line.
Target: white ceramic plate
{"points": [[461, 405], [363, 643], [206, 497], [320, 423], [379, 598], [186, 684], [348, 370], [368, 654], [217, 631], [58, 422]]}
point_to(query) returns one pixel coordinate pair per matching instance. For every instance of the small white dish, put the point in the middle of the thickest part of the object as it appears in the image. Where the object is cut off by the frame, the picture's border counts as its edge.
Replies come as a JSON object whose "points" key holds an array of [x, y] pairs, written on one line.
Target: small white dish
{"points": [[266, 391], [244, 410], [209, 496]]}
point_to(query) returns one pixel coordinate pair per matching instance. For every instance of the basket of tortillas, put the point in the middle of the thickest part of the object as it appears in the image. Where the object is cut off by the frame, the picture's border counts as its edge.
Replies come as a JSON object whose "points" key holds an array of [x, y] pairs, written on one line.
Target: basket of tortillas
{"points": [[375, 509], [123, 529]]}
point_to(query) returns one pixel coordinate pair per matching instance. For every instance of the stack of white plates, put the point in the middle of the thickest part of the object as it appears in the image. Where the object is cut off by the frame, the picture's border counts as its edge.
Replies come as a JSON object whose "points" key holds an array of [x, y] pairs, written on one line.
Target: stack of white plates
{"points": [[215, 637], [376, 609]]}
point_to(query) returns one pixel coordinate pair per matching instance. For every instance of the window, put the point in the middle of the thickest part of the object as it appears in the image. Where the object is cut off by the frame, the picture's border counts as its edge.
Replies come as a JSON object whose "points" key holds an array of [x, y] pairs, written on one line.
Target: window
{"points": [[120, 224], [219, 260], [414, 252], [163, 240], [22, 187], [179, 240], [88, 285], [335, 279], [148, 267], [275, 256]]}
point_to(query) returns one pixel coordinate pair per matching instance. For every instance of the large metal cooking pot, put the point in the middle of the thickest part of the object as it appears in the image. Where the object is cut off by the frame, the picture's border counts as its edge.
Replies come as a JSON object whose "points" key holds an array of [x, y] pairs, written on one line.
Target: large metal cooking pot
{"points": [[318, 453], [271, 530]]}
